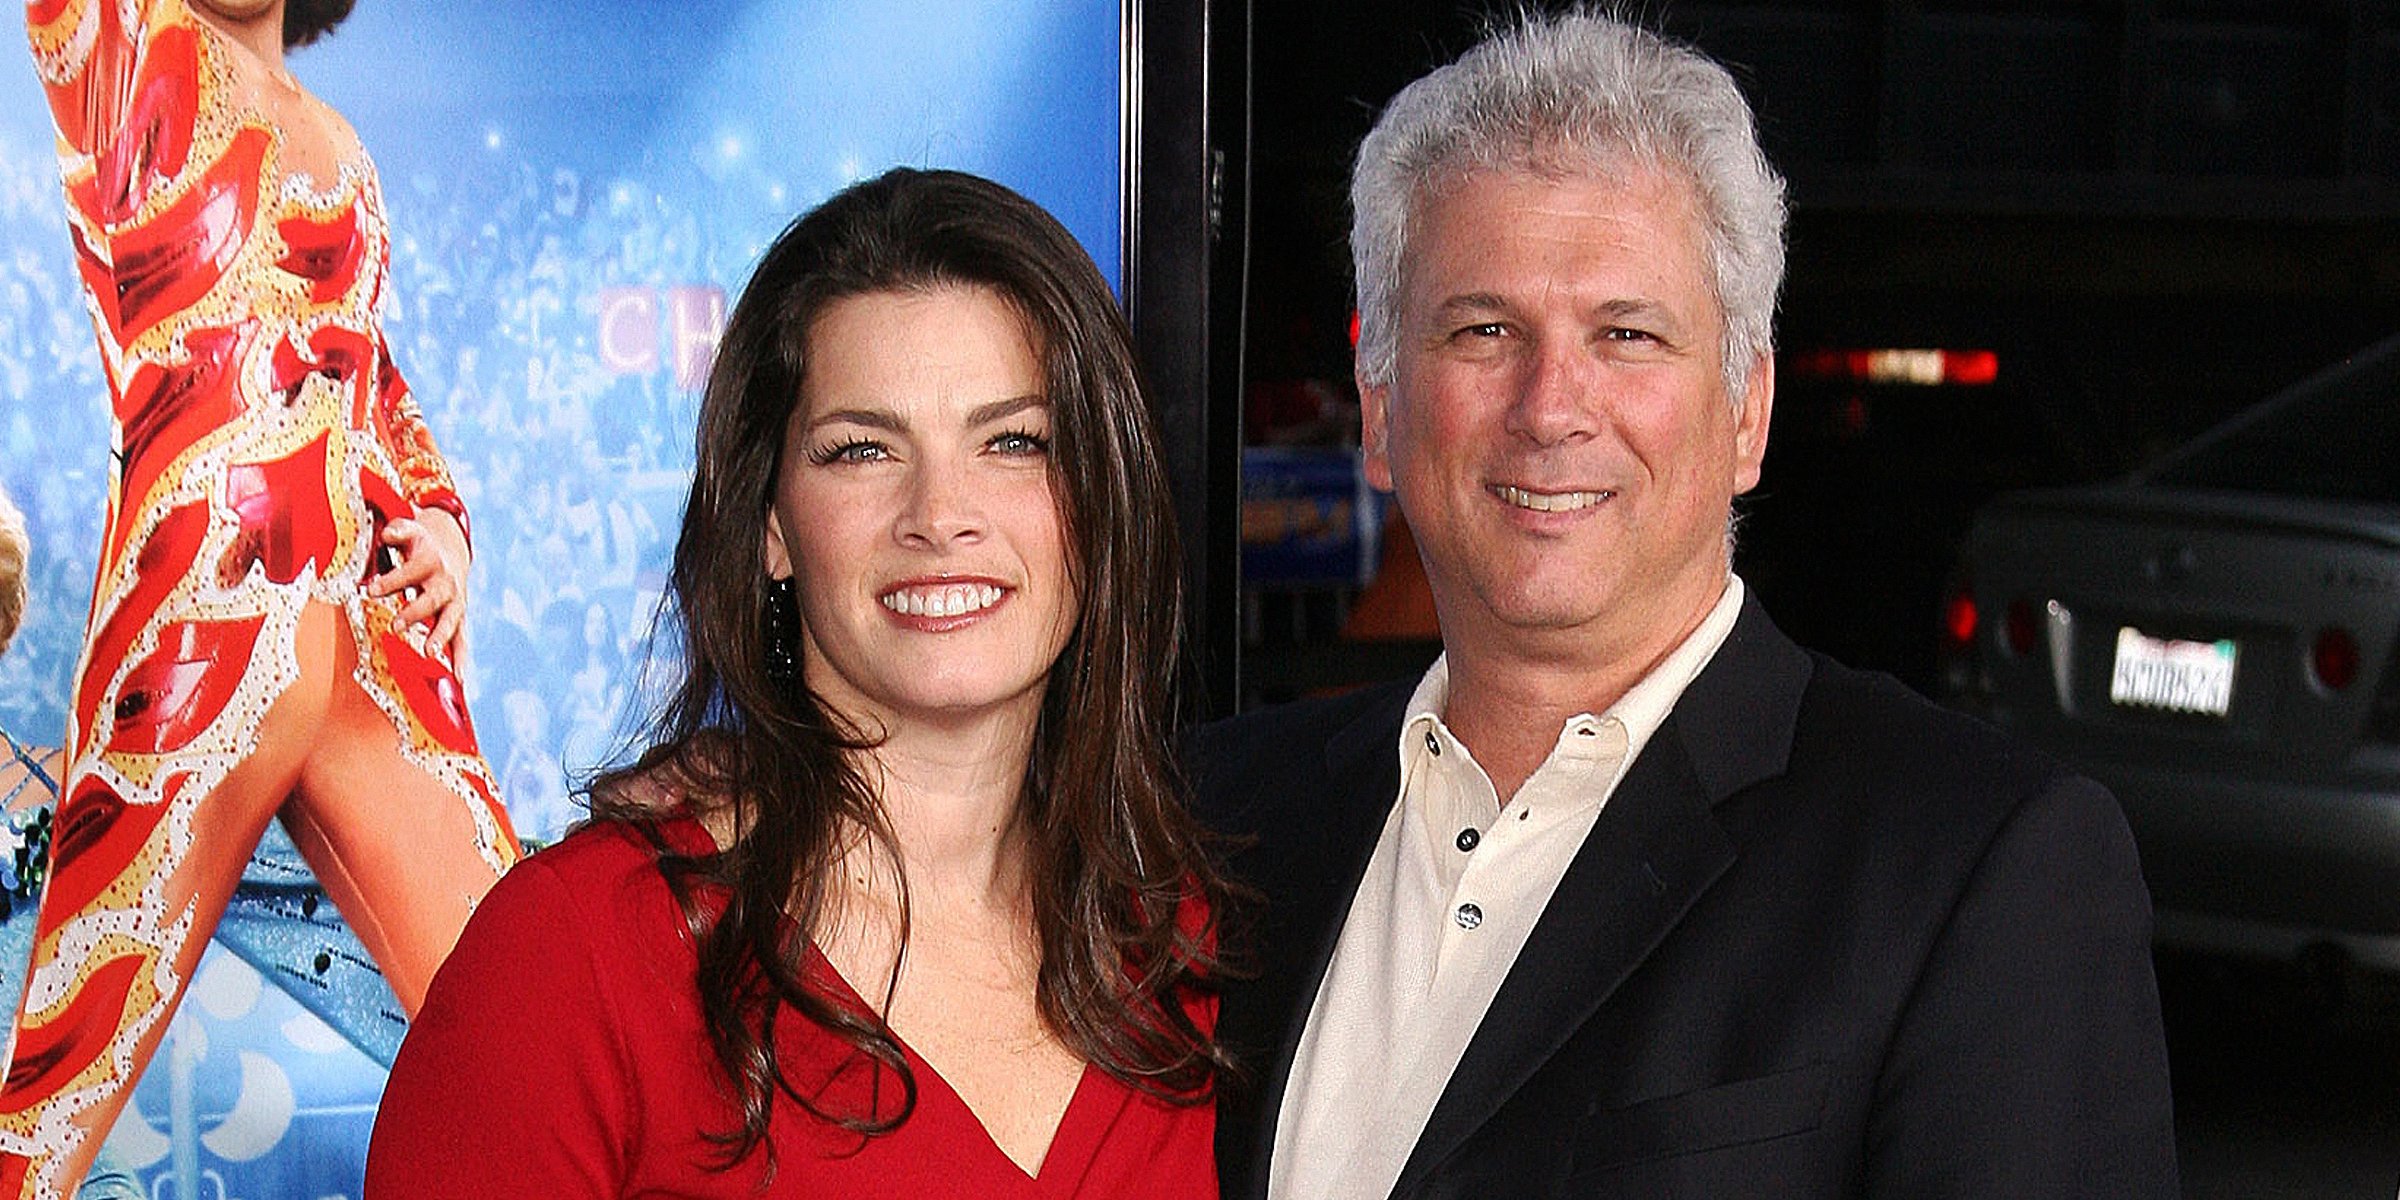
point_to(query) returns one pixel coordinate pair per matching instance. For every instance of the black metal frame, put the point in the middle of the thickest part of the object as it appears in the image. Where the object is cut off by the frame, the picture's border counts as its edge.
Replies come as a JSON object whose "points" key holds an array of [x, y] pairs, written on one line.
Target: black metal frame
{"points": [[1186, 268]]}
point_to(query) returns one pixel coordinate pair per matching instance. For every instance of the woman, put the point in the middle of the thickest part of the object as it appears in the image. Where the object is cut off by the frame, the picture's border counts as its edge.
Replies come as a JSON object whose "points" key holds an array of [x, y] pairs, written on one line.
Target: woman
{"points": [[904, 902], [28, 795], [247, 653]]}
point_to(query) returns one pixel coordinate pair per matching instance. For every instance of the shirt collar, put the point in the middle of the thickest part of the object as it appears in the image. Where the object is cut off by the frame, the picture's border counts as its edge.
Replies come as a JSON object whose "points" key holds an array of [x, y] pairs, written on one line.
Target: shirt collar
{"points": [[1645, 706], [1640, 711]]}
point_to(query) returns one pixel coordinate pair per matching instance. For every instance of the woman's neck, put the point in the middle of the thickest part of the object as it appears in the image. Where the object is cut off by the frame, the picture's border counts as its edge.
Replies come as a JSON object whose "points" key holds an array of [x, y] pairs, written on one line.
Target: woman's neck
{"points": [[259, 31], [954, 798]]}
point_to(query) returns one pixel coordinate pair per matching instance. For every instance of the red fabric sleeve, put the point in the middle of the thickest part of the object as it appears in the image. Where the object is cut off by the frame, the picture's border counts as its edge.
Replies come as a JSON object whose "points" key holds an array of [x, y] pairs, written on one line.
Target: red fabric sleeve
{"points": [[424, 475], [512, 1082], [86, 53]]}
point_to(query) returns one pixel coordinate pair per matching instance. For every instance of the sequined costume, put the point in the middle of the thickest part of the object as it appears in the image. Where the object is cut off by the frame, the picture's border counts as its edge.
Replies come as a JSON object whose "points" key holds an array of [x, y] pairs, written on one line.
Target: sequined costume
{"points": [[27, 807], [262, 440], [278, 921]]}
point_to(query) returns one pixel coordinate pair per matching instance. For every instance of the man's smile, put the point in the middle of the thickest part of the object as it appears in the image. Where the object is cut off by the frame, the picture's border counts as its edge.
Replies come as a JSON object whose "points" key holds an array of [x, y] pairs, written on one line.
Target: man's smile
{"points": [[1549, 502]]}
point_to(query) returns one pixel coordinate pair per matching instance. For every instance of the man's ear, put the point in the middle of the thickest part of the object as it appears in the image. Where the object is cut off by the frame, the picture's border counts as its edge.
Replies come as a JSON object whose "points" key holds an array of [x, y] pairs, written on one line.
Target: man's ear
{"points": [[1750, 424], [1375, 431]]}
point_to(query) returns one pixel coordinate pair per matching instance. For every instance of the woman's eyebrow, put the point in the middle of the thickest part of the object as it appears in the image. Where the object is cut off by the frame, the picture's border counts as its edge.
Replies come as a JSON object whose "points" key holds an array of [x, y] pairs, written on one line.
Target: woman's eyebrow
{"points": [[1000, 410], [889, 421], [873, 418]]}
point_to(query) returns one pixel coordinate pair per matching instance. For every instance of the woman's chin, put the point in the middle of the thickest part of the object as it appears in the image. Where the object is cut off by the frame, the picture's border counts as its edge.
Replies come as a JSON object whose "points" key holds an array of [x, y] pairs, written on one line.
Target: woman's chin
{"points": [[236, 10], [965, 705], [935, 697]]}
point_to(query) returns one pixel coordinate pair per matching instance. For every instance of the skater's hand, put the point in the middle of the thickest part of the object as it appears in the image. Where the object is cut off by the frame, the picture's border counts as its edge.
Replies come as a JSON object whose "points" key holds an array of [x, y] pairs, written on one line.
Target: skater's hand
{"points": [[432, 578]]}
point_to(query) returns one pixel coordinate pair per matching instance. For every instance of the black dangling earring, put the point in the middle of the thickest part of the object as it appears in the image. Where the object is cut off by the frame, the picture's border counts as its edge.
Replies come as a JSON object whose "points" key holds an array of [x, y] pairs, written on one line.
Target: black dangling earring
{"points": [[782, 625]]}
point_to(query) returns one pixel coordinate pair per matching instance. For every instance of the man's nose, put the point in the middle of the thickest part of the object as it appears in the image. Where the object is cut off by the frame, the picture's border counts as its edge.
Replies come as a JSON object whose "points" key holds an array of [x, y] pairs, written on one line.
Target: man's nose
{"points": [[940, 507], [1557, 395]]}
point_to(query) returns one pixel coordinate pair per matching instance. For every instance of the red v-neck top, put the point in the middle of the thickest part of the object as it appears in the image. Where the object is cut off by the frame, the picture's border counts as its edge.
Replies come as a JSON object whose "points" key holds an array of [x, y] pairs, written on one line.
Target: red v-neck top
{"points": [[560, 1053]]}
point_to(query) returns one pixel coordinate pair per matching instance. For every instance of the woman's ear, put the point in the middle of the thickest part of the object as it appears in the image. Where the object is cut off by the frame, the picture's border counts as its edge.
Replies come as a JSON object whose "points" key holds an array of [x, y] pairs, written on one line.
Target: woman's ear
{"points": [[779, 558]]}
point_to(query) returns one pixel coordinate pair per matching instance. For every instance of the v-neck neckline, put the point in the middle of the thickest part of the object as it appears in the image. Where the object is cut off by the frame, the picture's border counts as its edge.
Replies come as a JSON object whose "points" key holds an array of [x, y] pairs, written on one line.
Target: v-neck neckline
{"points": [[1082, 1125], [1086, 1115]]}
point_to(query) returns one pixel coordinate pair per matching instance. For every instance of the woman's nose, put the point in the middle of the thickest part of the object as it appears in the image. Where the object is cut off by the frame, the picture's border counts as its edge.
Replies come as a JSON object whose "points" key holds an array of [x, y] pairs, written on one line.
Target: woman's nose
{"points": [[941, 507]]}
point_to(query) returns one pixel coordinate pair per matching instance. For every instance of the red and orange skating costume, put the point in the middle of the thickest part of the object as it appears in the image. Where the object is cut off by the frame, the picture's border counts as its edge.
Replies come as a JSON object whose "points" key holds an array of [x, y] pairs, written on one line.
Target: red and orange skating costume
{"points": [[262, 440]]}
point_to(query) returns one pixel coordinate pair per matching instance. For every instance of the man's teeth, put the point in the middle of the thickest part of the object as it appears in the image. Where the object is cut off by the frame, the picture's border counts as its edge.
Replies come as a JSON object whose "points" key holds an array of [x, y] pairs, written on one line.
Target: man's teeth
{"points": [[1551, 501], [953, 600]]}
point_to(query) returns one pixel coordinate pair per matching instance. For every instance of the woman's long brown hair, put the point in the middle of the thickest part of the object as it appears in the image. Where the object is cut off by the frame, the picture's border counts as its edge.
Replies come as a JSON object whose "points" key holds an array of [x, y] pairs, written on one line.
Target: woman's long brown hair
{"points": [[1115, 856]]}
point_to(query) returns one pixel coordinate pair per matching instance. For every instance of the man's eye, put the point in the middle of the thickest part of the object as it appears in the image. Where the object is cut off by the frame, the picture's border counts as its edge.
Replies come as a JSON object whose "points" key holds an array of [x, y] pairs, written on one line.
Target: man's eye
{"points": [[1622, 333], [856, 450], [1486, 329]]}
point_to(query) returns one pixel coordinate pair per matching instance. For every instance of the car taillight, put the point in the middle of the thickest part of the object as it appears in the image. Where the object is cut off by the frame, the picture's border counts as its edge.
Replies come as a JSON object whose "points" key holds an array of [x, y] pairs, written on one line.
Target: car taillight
{"points": [[2333, 659], [1959, 620], [1963, 680], [2021, 628]]}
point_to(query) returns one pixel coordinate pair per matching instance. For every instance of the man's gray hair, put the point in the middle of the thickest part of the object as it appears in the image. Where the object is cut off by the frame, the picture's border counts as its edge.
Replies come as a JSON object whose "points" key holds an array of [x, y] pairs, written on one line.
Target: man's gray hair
{"points": [[1571, 93]]}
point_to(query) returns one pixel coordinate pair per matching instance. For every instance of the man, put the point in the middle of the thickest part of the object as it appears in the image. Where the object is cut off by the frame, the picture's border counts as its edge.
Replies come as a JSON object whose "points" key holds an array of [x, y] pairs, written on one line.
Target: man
{"points": [[1629, 895]]}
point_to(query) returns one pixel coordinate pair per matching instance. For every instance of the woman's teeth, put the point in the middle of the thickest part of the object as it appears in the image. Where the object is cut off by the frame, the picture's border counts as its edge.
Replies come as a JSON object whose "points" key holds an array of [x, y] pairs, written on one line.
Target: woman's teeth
{"points": [[952, 600]]}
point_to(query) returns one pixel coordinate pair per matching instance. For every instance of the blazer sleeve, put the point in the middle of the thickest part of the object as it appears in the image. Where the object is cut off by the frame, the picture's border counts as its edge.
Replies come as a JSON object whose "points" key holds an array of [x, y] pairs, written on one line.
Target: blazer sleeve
{"points": [[513, 1081], [2031, 1058]]}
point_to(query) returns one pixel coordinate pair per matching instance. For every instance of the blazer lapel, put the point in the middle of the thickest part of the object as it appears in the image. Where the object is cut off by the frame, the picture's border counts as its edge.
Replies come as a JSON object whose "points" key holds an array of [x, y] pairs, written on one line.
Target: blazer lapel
{"points": [[1656, 849], [1653, 852], [1362, 765]]}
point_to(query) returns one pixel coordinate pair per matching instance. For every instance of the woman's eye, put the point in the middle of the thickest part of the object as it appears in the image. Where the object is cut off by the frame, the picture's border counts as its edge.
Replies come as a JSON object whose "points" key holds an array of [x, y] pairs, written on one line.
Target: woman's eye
{"points": [[1020, 444], [857, 450]]}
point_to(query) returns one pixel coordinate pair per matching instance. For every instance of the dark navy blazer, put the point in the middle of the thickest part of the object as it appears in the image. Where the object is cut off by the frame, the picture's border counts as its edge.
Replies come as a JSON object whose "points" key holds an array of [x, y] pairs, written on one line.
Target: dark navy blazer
{"points": [[1825, 940]]}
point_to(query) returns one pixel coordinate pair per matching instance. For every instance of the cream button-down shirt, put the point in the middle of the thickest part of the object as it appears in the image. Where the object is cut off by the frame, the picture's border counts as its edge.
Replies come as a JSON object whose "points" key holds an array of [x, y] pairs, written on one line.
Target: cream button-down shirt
{"points": [[1457, 882]]}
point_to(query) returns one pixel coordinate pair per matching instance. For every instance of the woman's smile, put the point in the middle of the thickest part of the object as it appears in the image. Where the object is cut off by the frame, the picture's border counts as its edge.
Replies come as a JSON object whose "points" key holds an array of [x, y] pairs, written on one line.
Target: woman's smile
{"points": [[941, 605]]}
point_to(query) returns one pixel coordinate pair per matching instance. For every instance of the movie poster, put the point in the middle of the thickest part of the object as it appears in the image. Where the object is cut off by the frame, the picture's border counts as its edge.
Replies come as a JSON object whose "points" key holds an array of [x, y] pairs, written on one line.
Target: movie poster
{"points": [[576, 191]]}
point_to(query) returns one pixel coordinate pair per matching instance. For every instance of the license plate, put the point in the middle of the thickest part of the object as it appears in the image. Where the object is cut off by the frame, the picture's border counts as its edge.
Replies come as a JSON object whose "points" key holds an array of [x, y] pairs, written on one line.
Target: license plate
{"points": [[2173, 675]]}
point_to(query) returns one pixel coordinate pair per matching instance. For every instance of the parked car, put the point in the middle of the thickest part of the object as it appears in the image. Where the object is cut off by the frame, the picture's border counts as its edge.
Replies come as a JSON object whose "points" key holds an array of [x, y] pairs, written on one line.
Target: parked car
{"points": [[2215, 638]]}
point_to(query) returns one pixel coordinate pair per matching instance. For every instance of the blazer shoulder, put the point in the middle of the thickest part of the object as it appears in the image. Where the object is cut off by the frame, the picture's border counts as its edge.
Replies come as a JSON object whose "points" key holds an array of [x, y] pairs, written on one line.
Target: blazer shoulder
{"points": [[1268, 752], [1880, 739], [1268, 731]]}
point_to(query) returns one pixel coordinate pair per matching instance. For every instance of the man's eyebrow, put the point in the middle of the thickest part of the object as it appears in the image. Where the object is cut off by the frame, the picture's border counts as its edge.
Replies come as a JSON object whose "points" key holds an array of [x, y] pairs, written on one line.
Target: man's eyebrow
{"points": [[1481, 303], [1633, 306], [1472, 302]]}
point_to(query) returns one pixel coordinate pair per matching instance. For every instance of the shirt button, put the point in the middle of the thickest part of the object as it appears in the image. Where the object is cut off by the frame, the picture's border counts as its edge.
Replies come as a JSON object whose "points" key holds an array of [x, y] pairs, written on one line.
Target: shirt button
{"points": [[1467, 838], [1469, 916], [1433, 743]]}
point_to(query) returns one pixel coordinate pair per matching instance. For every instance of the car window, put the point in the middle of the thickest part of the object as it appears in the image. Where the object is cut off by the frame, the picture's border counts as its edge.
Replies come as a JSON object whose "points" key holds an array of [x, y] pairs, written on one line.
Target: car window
{"points": [[2342, 443]]}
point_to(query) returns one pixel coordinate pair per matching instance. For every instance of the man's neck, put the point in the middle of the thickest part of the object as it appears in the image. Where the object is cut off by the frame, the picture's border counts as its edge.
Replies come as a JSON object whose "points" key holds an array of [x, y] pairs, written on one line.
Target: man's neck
{"points": [[1510, 696]]}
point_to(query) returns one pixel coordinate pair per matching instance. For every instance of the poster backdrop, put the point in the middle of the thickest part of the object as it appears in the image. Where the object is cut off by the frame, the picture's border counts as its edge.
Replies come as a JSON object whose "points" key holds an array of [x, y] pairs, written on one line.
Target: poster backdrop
{"points": [[577, 190]]}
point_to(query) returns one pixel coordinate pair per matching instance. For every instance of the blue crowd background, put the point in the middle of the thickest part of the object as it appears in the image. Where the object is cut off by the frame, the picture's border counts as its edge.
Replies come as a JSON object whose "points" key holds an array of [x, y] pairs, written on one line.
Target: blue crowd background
{"points": [[577, 191]]}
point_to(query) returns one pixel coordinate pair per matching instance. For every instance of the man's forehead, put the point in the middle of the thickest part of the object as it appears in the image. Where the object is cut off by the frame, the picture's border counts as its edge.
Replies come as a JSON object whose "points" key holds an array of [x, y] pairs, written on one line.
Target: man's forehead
{"points": [[1553, 162], [1470, 269]]}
